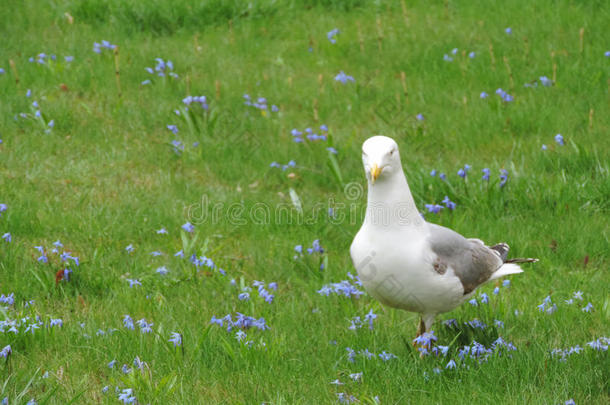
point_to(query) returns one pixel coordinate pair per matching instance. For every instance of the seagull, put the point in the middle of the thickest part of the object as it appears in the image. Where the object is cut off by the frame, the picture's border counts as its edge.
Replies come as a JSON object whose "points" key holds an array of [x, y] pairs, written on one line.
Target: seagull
{"points": [[407, 263]]}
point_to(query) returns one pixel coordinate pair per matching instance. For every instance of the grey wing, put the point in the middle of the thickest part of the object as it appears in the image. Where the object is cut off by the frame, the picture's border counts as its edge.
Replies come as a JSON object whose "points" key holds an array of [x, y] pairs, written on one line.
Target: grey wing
{"points": [[472, 261]]}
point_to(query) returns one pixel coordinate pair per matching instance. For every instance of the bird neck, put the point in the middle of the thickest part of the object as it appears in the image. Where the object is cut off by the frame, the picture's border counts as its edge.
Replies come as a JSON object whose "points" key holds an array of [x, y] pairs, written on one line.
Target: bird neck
{"points": [[390, 203]]}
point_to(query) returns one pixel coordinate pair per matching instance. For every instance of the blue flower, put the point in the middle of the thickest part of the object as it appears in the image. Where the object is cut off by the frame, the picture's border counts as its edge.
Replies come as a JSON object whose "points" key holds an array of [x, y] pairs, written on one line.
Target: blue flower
{"points": [[506, 283], [503, 177], [176, 339], [7, 237], [462, 173], [244, 296], [126, 396], [162, 270], [559, 139], [451, 364], [447, 58], [387, 356], [499, 324], [434, 208], [484, 298], [486, 173], [433, 173], [332, 34], [442, 176], [448, 203], [471, 55], [6, 351], [546, 81], [188, 227], [483, 95], [370, 317], [343, 78], [111, 364], [577, 295], [173, 128], [419, 117], [508, 30], [129, 248], [134, 282], [496, 290], [544, 147], [588, 308], [607, 54], [332, 150], [473, 302]]}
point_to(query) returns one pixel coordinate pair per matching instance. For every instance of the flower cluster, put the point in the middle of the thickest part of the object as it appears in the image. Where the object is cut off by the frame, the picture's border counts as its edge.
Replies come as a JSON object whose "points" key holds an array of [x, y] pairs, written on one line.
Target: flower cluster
{"points": [[357, 323], [241, 322], [162, 68], [260, 103], [504, 95], [316, 247], [43, 58], [365, 353], [98, 47], [201, 100], [297, 136], [600, 344], [343, 78], [344, 288], [292, 163], [7, 299]]}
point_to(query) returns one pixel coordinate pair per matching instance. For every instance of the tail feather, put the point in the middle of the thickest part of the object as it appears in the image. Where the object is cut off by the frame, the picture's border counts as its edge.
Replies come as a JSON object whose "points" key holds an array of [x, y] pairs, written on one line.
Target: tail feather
{"points": [[521, 260], [505, 270]]}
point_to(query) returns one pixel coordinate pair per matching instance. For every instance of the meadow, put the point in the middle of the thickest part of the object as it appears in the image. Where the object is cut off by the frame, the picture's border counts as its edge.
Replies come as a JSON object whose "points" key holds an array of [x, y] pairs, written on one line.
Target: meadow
{"points": [[180, 183]]}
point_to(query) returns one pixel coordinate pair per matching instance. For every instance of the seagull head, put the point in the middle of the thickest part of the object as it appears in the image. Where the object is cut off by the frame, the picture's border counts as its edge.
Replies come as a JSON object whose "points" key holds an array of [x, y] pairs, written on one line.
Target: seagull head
{"points": [[380, 158]]}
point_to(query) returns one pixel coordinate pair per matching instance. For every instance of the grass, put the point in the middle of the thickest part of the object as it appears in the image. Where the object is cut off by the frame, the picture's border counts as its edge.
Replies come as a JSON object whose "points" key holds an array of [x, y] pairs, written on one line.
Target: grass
{"points": [[106, 176]]}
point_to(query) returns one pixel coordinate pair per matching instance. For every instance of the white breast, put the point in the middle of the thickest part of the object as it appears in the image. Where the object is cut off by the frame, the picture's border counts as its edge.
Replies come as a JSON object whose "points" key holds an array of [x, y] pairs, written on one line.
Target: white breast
{"points": [[401, 275]]}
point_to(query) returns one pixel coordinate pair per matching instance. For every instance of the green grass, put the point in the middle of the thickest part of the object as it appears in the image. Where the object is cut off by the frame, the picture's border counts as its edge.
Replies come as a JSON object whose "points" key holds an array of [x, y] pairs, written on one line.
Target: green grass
{"points": [[106, 176]]}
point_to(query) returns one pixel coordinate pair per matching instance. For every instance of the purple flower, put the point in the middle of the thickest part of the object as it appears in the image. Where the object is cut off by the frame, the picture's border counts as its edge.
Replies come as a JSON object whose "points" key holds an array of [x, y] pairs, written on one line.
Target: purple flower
{"points": [[370, 317], [343, 78], [176, 339], [188, 227], [7, 237], [6, 351], [559, 139], [442, 176], [173, 128], [133, 282], [503, 177], [434, 208], [332, 34], [448, 203], [546, 81], [433, 173], [462, 173], [473, 302], [244, 296], [486, 173]]}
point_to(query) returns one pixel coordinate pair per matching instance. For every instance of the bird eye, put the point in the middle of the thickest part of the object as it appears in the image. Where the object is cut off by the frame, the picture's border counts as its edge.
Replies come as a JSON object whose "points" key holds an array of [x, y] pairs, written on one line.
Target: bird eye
{"points": [[392, 152]]}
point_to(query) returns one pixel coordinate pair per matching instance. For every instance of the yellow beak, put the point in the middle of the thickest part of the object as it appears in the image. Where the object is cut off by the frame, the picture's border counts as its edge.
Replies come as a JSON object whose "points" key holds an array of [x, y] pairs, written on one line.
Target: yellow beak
{"points": [[375, 171]]}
